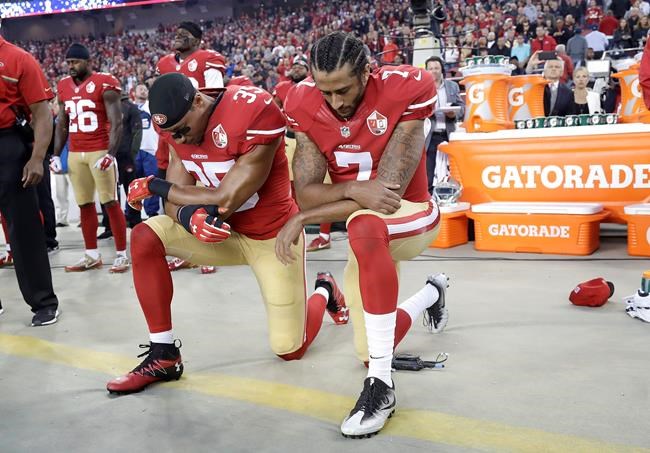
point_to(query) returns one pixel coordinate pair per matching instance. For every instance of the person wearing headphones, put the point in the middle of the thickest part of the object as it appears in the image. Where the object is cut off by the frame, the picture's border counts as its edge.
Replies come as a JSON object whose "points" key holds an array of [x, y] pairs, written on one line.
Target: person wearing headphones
{"points": [[443, 120]]}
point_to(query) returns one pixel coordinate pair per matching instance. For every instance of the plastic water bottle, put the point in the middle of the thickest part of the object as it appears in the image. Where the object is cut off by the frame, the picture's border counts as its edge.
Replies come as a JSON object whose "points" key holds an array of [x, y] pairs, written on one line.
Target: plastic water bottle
{"points": [[645, 282]]}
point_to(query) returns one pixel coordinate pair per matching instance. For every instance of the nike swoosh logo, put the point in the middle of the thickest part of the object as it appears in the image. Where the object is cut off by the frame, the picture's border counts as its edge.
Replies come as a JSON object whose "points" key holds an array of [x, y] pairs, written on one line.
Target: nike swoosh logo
{"points": [[419, 76], [268, 101]]}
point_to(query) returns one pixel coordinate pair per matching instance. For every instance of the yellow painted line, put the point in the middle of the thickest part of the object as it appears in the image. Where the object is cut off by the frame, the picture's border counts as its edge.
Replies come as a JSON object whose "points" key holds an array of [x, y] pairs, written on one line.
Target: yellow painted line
{"points": [[416, 424]]}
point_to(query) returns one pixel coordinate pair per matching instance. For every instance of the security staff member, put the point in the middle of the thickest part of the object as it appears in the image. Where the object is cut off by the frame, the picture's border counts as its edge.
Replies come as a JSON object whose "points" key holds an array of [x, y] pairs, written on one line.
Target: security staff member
{"points": [[24, 93]]}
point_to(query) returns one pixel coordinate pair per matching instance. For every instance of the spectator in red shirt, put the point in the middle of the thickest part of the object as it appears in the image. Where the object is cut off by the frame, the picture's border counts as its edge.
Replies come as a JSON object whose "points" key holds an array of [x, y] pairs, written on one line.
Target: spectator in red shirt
{"points": [[542, 42], [567, 73], [390, 51], [608, 24], [594, 14]]}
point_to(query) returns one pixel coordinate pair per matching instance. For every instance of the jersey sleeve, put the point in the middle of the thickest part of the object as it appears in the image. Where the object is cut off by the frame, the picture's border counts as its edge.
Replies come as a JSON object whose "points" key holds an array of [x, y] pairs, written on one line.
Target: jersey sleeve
{"points": [[110, 83], [297, 106], [422, 96], [268, 124], [32, 83], [214, 60]]}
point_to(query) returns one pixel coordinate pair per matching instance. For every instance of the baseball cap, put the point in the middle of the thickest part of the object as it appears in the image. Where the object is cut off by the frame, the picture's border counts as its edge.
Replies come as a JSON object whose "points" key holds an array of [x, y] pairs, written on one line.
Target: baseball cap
{"points": [[592, 293], [301, 60], [170, 98]]}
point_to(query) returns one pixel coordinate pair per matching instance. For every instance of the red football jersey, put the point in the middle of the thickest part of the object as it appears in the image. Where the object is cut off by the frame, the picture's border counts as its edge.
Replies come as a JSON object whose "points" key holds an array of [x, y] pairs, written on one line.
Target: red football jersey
{"points": [[281, 90], [84, 104], [245, 117], [241, 81], [194, 66], [354, 147]]}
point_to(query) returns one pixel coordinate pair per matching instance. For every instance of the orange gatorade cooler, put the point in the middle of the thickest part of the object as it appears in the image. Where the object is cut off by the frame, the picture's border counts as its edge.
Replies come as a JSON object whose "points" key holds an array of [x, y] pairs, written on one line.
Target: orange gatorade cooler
{"points": [[633, 109], [486, 99], [526, 97], [560, 228], [453, 226], [638, 229]]}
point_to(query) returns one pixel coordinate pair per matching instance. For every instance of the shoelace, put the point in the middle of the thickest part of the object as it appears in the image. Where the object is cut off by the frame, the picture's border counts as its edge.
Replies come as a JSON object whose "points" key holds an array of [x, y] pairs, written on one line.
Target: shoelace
{"points": [[368, 400]]}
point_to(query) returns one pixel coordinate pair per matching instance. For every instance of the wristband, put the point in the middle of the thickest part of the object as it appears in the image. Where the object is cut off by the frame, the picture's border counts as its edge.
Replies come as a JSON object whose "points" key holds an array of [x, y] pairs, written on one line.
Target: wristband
{"points": [[160, 187], [184, 214]]}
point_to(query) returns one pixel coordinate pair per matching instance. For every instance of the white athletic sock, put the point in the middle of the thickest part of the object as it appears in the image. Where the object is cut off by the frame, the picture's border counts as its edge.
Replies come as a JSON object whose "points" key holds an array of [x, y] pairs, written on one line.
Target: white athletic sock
{"points": [[7, 246], [323, 292], [93, 253], [121, 253], [380, 330], [324, 236], [420, 301], [162, 337]]}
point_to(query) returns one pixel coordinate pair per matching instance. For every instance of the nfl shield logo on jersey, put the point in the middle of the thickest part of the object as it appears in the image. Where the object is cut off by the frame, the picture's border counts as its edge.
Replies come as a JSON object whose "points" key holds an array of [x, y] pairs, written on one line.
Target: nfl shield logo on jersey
{"points": [[345, 131], [377, 123], [219, 137], [90, 87], [192, 65]]}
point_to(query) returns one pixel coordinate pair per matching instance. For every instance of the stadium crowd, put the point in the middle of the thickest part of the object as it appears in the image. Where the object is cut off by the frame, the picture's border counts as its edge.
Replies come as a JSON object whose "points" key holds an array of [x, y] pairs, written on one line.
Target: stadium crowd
{"points": [[261, 46]]}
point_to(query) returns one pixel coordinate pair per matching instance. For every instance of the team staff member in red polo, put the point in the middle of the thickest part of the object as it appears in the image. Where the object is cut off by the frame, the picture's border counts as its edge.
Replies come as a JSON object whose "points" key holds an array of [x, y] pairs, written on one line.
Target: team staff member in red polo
{"points": [[24, 96]]}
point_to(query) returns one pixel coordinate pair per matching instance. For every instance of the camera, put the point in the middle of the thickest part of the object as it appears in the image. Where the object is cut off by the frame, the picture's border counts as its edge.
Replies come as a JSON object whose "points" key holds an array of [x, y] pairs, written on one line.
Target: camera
{"points": [[428, 16]]}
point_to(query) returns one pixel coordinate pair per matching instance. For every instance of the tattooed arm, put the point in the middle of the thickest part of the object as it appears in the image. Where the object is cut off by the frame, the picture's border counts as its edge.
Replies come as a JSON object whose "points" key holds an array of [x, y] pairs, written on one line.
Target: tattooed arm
{"points": [[396, 168], [402, 155], [309, 170]]}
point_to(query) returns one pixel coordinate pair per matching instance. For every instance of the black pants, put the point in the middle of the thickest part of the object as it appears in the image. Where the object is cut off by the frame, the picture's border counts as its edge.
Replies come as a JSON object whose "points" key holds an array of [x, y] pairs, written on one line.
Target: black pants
{"points": [[432, 152], [20, 208], [46, 205]]}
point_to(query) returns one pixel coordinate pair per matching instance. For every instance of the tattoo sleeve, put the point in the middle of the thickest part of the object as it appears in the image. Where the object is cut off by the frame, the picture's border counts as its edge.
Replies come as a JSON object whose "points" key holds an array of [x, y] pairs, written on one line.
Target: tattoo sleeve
{"points": [[309, 165], [402, 154]]}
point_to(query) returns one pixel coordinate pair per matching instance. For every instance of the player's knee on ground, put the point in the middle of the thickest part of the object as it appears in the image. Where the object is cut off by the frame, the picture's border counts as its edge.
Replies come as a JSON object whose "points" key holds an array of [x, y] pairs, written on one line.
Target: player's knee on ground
{"points": [[283, 344]]}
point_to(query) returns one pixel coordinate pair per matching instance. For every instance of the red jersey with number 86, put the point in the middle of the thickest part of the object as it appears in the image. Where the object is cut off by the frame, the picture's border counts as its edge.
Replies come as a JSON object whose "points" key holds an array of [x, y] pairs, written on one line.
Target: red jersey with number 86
{"points": [[353, 147], [88, 126]]}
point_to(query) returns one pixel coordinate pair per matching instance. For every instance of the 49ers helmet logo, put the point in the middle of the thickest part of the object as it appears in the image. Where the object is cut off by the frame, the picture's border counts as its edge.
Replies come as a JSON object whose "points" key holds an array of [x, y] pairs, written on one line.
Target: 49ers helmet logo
{"points": [[377, 123], [159, 118], [219, 137]]}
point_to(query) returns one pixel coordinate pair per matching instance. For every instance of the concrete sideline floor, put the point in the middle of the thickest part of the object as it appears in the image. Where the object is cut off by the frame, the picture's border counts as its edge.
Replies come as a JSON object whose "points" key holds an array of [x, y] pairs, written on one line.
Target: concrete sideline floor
{"points": [[527, 372]]}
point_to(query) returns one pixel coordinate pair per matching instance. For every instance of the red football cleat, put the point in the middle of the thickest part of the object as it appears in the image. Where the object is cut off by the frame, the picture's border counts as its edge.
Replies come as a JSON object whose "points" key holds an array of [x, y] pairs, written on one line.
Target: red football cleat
{"points": [[319, 243], [336, 304], [163, 363], [177, 263], [6, 259]]}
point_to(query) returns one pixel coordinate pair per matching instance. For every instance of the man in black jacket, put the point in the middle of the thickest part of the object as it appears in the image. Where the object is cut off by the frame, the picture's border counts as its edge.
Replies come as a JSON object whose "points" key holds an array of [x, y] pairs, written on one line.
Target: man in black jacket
{"points": [[558, 98], [129, 147]]}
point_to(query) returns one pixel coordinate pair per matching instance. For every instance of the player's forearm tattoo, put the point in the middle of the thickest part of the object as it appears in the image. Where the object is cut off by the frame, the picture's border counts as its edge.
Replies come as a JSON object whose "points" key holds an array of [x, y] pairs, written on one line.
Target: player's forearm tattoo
{"points": [[402, 155], [309, 165]]}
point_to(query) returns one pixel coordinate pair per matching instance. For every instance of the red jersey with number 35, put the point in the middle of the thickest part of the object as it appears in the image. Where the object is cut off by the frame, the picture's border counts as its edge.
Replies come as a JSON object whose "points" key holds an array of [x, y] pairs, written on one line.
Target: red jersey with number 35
{"points": [[244, 118], [353, 147], [84, 103], [195, 66]]}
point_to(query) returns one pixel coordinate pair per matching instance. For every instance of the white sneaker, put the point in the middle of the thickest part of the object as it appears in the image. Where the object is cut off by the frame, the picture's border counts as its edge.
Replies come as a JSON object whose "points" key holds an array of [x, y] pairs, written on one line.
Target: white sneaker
{"points": [[638, 306], [375, 406], [436, 316], [120, 265], [84, 264]]}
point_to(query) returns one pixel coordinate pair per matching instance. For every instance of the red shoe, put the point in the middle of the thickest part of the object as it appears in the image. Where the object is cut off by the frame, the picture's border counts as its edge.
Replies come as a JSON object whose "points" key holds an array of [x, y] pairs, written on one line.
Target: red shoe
{"points": [[6, 259], [319, 243], [208, 269], [163, 363], [336, 304], [177, 263]]}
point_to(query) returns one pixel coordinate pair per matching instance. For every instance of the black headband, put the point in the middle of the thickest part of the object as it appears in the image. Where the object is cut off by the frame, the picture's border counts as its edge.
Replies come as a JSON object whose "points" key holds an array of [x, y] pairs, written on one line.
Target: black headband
{"points": [[194, 29], [77, 52]]}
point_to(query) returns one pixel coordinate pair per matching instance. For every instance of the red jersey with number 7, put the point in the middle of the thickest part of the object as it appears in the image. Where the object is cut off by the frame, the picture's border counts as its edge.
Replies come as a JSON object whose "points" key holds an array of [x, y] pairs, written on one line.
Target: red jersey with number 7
{"points": [[88, 126], [244, 118], [353, 147]]}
